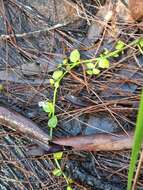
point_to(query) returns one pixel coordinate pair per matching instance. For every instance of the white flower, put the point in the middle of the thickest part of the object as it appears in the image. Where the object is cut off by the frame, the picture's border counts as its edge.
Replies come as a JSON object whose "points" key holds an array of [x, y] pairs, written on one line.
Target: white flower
{"points": [[41, 103]]}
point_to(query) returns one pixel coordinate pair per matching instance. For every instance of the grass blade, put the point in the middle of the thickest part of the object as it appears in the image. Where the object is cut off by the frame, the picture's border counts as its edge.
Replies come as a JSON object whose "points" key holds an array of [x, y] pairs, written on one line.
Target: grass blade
{"points": [[138, 138]]}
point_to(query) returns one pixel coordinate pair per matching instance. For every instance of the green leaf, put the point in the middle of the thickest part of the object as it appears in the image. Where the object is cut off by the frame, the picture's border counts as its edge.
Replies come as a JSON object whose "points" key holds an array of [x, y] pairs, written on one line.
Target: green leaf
{"points": [[65, 61], [74, 56], [57, 75], [103, 63], [52, 82], [68, 67], [89, 72], [115, 55], [58, 155], [53, 121], [70, 180], [96, 71], [1, 87], [120, 44], [59, 65], [47, 107], [56, 85], [106, 51], [90, 65], [141, 42], [69, 188], [137, 141], [57, 172]]}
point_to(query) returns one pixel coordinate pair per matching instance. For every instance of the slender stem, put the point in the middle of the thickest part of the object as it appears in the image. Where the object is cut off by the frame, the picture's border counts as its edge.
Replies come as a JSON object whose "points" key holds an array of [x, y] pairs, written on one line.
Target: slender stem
{"points": [[58, 165], [53, 113], [140, 49], [73, 65], [55, 93], [51, 132], [111, 54], [54, 99]]}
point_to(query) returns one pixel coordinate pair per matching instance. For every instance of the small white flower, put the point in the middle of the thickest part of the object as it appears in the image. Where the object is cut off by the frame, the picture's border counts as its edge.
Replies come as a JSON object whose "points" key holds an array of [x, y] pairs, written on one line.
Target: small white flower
{"points": [[41, 103]]}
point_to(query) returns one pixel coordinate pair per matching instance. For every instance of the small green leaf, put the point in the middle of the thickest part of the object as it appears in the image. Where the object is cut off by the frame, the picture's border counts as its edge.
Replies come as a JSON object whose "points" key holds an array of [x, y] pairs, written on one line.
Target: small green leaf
{"points": [[1, 87], [89, 72], [68, 67], [52, 123], [90, 65], [57, 74], [70, 180], [74, 56], [58, 155], [115, 55], [141, 42], [60, 65], [69, 188], [65, 61], [120, 44], [103, 63], [57, 172], [52, 82], [56, 85], [106, 51], [47, 107], [96, 71]]}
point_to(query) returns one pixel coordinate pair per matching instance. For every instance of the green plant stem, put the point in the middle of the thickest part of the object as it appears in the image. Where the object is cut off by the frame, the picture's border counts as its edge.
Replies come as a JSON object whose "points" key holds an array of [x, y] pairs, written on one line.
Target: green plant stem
{"points": [[54, 99], [111, 54], [140, 49], [53, 113], [58, 165], [55, 93], [73, 65]]}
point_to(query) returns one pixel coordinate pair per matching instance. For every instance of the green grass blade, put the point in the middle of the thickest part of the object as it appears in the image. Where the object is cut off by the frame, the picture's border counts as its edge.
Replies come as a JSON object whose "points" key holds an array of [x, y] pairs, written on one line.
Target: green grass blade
{"points": [[138, 138]]}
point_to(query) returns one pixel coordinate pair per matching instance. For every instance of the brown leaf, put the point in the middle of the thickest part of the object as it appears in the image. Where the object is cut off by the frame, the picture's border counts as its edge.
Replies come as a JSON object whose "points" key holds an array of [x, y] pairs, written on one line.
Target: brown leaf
{"points": [[98, 142], [136, 8]]}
